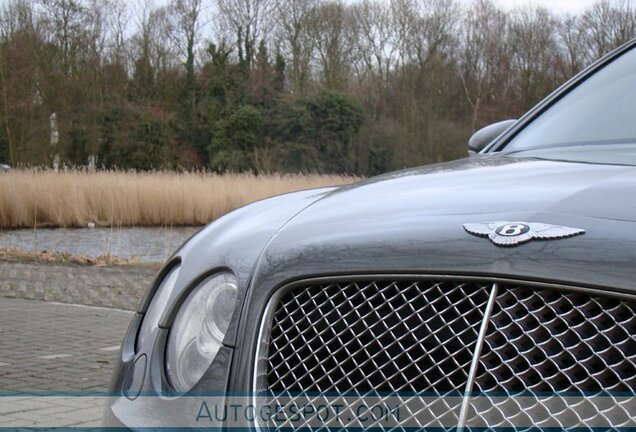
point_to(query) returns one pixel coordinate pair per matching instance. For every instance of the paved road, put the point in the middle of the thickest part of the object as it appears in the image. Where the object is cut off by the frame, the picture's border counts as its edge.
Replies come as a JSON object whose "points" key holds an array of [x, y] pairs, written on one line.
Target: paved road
{"points": [[58, 347], [48, 348]]}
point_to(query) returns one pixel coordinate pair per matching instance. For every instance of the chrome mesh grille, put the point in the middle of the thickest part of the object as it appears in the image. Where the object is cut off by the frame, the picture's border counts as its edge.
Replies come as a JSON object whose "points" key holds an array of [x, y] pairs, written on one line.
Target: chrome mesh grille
{"points": [[415, 336], [362, 338], [378, 336], [550, 343]]}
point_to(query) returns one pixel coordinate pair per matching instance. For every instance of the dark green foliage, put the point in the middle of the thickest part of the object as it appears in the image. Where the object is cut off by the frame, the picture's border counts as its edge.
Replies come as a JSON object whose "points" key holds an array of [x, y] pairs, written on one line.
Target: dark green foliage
{"points": [[287, 143], [152, 138], [294, 135], [279, 73], [4, 150], [235, 139], [76, 151], [142, 86], [333, 121], [380, 160], [137, 139]]}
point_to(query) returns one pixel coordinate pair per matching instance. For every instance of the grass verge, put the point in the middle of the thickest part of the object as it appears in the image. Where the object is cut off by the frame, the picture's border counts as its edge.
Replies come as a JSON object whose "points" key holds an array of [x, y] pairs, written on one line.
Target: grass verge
{"points": [[46, 257]]}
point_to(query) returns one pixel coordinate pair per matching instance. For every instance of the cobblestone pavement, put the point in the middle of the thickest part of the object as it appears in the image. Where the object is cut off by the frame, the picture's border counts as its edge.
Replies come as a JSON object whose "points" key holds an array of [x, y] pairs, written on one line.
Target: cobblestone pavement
{"points": [[26, 412], [115, 287], [47, 348], [58, 347]]}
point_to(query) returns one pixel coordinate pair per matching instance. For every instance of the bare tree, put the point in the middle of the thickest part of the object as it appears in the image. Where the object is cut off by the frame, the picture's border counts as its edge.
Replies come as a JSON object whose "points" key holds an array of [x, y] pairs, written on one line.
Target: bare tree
{"points": [[431, 31], [571, 46], [534, 41], [291, 18], [65, 24], [19, 90], [376, 38], [248, 21], [329, 28], [116, 28], [605, 26], [184, 32], [484, 57]]}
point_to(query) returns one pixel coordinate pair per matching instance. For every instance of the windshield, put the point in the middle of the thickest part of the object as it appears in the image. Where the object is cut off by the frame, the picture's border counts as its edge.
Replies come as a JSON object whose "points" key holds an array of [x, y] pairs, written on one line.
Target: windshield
{"points": [[599, 113]]}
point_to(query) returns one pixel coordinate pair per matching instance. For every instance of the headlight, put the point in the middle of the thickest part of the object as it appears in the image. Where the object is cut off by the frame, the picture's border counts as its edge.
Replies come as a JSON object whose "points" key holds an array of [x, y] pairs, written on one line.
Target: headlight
{"points": [[156, 307], [199, 329]]}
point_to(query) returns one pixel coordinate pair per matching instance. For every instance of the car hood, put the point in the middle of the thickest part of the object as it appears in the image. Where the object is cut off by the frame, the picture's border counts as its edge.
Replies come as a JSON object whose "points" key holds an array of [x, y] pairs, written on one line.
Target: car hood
{"points": [[412, 222]]}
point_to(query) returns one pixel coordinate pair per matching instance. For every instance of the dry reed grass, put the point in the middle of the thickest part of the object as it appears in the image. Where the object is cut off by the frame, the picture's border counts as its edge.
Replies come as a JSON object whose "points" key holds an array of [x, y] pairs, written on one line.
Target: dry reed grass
{"points": [[43, 198]]}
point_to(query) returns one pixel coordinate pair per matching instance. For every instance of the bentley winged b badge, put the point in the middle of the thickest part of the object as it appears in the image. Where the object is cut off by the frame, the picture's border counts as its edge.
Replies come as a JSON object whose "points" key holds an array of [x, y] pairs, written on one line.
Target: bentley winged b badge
{"points": [[504, 233]]}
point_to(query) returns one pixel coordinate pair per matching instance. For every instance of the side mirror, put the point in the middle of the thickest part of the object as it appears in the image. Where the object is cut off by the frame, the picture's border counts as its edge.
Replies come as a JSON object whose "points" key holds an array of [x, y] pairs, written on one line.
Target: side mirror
{"points": [[486, 135]]}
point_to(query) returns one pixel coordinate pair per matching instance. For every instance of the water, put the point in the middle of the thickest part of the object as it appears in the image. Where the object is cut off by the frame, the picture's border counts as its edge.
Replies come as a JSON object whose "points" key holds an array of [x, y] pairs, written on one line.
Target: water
{"points": [[145, 244]]}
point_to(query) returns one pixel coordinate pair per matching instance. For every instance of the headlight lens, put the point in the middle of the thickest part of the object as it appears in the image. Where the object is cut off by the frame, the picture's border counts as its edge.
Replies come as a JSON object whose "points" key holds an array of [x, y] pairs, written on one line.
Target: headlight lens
{"points": [[199, 329], [156, 307]]}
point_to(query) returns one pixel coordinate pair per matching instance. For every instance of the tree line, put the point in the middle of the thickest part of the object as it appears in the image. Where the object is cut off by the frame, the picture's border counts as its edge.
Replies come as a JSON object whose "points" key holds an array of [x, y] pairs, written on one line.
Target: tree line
{"points": [[321, 86]]}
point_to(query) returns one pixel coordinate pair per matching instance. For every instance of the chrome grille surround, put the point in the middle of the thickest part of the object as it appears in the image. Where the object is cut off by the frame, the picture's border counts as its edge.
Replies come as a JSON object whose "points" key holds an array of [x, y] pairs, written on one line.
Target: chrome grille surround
{"points": [[441, 336]]}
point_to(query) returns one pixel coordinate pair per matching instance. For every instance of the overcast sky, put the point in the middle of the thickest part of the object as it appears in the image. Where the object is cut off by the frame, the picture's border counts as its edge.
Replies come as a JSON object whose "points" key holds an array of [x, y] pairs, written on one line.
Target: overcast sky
{"points": [[569, 6], [572, 6]]}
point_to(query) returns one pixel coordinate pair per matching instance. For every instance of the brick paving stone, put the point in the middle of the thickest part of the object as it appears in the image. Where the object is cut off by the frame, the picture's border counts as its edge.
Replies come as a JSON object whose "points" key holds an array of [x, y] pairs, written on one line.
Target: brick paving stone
{"points": [[118, 287], [31, 332]]}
